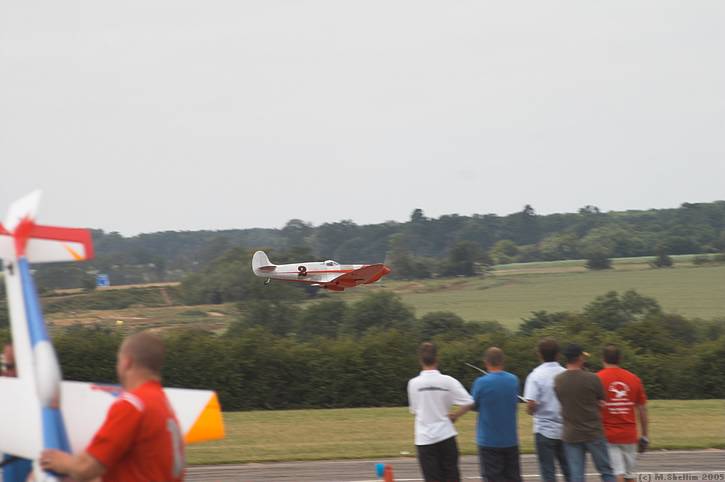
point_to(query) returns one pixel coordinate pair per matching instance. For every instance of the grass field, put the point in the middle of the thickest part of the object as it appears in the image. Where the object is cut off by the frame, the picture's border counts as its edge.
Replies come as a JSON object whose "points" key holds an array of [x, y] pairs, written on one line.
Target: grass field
{"points": [[508, 294], [388, 432], [513, 292]]}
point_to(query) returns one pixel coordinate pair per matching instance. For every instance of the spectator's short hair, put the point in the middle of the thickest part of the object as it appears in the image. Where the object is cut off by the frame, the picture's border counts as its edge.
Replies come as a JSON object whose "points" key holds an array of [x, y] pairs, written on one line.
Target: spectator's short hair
{"points": [[146, 350], [493, 357], [611, 354], [572, 352], [428, 353], [548, 349]]}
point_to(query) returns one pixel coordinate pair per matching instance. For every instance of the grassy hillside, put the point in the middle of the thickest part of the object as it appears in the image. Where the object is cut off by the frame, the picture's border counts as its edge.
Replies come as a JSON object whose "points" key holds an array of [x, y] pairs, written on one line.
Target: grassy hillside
{"points": [[508, 294], [512, 292], [388, 432]]}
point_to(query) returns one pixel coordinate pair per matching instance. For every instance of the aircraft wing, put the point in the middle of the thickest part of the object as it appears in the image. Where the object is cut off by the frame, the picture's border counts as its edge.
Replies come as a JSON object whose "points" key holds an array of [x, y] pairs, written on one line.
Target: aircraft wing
{"points": [[84, 407], [20, 430], [366, 274]]}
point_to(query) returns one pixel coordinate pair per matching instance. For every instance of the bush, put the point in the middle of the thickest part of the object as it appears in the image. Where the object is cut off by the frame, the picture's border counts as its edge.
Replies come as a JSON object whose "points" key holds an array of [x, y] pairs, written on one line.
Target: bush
{"points": [[599, 260]]}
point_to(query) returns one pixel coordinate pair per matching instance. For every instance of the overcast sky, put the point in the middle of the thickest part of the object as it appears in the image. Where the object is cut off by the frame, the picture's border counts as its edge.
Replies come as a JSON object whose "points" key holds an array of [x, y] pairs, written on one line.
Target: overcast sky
{"points": [[141, 116]]}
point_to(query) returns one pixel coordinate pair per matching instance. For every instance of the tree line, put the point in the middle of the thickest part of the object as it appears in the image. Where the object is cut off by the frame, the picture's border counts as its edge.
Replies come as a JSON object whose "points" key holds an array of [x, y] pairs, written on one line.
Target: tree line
{"points": [[418, 248], [281, 355]]}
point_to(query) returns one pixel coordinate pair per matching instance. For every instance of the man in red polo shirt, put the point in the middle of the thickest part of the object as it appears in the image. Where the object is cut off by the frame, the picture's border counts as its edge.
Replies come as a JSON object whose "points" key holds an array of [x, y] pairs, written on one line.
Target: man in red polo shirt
{"points": [[625, 395], [140, 439]]}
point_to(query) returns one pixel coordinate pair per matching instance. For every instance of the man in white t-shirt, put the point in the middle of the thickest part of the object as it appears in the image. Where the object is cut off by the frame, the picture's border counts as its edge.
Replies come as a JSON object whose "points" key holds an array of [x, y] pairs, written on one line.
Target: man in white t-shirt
{"points": [[430, 397], [542, 403]]}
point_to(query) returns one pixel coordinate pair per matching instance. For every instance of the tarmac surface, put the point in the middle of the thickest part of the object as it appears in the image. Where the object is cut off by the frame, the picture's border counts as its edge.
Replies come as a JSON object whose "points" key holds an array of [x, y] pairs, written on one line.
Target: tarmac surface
{"points": [[657, 466]]}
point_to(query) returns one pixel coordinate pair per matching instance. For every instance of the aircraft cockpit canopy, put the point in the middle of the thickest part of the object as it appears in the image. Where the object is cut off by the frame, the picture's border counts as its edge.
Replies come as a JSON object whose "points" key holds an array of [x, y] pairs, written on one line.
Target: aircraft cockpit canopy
{"points": [[330, 262]]}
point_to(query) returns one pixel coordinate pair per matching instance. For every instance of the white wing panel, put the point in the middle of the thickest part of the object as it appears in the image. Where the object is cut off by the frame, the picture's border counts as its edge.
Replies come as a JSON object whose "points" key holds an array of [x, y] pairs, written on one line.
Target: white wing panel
{"points": [[20, 426], [51, 250]]}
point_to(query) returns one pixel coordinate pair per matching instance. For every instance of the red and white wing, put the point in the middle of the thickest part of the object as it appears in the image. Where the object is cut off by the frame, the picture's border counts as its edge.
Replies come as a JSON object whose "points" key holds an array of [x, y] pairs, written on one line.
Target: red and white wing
{"points": [[366, 274]]}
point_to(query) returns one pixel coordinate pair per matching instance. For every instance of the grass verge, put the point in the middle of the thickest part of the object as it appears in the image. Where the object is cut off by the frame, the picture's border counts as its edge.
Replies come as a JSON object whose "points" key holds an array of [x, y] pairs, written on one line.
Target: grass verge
{"points": [[263, 436]]}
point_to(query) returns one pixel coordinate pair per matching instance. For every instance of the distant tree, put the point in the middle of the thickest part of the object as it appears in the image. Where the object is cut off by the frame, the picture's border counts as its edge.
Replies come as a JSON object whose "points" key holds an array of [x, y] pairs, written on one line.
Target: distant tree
{"points": [[663, 260], [321, 319], [417, 216], [541, 319], [504, 252], [612, 311], [88, 283], [528, 229], [403, 264], [559, 246], [277, 317], [589, 210], [443, 323], [296, 232], [598, 259], [461, 259], [378, 310]]}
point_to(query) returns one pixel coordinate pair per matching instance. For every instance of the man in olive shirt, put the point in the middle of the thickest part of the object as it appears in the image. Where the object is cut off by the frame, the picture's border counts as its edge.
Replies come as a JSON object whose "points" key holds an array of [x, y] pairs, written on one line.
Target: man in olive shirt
{"points": [[581, 396]]}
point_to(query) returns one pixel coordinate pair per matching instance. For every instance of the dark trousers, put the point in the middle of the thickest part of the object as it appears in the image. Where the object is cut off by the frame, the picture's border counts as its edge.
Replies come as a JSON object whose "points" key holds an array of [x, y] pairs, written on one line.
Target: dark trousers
{"points": [[548, 450], [439, 461], [499, 464]]}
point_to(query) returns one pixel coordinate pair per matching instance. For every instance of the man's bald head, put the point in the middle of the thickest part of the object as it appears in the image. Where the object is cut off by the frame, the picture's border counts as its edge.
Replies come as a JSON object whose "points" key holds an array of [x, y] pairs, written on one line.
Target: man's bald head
{"points": [[493, 357], [146, 350]]}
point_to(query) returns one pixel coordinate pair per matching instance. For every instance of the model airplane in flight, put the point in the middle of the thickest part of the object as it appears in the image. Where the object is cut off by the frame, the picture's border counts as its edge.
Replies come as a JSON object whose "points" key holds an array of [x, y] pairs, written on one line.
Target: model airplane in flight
{"points": [[325, 274], [38, 409]]}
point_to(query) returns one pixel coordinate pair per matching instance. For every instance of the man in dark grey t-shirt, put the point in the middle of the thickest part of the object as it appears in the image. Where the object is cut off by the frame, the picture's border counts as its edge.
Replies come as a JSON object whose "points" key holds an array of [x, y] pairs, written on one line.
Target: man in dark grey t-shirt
{"points": [[581, 396]]}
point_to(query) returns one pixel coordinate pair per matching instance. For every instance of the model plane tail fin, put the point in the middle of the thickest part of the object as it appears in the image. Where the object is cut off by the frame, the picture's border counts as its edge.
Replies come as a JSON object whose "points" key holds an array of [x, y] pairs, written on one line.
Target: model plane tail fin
{"points": [[260, 262], [20, 236]]}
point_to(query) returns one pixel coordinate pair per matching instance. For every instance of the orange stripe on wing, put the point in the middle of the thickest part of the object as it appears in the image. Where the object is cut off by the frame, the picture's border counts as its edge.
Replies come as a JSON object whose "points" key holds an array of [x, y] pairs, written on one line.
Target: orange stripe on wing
{"points": [[76, 255], [209, 425]]}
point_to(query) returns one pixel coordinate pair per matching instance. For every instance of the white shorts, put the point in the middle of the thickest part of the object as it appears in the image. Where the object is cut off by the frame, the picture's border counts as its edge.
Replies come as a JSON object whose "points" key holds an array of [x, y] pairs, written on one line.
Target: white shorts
{"points": [[623, 458]]}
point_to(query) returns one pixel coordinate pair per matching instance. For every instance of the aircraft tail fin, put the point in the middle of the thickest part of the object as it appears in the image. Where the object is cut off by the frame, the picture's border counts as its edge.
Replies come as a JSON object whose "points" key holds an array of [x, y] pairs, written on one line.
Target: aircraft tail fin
{"points": [[19, 235], [260, 262]]}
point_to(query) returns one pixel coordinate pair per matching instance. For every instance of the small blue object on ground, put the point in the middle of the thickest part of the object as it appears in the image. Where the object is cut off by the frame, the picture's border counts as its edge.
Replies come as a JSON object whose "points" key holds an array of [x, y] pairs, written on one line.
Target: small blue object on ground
{"points": [[379, 470]]}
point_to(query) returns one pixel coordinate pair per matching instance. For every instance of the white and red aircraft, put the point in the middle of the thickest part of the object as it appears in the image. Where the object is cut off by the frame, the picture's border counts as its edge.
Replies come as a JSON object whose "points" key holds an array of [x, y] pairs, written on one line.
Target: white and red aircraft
{"points": [[328, 274], [38, 410]]}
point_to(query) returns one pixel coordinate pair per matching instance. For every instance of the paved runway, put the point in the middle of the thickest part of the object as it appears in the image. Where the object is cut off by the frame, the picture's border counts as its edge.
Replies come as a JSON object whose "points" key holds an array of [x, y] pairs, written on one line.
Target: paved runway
{"points": [[666, 463]]}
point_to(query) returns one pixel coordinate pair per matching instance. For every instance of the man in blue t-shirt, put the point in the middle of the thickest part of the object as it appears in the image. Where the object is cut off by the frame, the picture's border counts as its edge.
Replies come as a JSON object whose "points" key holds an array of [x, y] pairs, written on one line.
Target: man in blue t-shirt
{"points": [[495, 397]]}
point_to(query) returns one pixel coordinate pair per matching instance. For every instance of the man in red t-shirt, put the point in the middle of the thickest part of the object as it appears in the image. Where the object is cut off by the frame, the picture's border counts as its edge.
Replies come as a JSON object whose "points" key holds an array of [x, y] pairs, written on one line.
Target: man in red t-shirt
{"points": [[140, 439], [624, 396]]}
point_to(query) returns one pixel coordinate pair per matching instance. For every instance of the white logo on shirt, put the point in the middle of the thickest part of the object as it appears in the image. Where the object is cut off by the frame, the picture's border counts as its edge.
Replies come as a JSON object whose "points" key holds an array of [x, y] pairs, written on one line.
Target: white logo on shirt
{"points": [[619, 389]]}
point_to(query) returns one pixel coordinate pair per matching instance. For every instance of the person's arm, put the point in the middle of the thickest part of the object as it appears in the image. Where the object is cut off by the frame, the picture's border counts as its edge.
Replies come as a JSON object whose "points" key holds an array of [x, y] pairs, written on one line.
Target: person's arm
{"points": [[81, 467], [411, 399], [531, 394], [462, 410], [643, 420], [599, 391], [462, 399]]}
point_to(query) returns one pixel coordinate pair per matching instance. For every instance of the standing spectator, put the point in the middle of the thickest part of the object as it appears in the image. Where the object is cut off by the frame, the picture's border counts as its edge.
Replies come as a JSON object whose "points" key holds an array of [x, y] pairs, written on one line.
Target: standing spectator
{"points": [[625, 396], [431, 396], [496, 399], [14, 469], [541, 402], [140, 439], [581, 396]]}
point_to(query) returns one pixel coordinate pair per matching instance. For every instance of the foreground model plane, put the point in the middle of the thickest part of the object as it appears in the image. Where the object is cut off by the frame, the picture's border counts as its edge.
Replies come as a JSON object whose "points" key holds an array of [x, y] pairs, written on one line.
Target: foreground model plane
{"points": [[325, 274], [37, 409]]}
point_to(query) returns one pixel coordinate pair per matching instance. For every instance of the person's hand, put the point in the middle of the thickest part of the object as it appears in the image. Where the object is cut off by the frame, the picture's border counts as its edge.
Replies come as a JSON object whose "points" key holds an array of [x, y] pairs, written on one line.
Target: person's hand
{"points": [[55, 461], [642, 445]]}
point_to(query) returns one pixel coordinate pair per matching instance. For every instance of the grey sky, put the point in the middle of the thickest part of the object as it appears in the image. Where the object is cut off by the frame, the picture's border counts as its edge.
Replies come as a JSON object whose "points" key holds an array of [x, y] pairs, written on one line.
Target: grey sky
{"points": [[142, 116]]}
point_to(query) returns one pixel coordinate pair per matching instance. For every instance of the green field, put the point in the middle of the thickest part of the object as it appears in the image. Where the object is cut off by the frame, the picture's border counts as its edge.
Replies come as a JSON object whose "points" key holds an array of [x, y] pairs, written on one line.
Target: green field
{"points": [[514, 291], [388, 432], [507, 294]]}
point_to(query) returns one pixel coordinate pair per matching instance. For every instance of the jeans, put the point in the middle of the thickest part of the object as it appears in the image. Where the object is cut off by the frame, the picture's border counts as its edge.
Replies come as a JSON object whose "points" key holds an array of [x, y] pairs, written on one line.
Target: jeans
{"points": [[548, 450], [576, 458]]}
